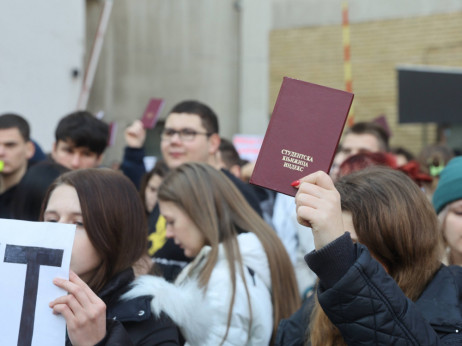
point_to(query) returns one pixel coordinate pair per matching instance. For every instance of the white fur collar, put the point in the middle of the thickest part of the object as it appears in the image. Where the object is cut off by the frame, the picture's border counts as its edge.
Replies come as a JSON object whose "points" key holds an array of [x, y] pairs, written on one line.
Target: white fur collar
{"points": [[185, 305]]}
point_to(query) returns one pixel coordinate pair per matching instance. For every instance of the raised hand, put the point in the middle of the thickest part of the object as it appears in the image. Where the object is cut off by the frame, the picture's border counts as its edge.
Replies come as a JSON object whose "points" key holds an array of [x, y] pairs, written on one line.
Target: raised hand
{"points": [[135, 135], [318, 206], [84, 311]]}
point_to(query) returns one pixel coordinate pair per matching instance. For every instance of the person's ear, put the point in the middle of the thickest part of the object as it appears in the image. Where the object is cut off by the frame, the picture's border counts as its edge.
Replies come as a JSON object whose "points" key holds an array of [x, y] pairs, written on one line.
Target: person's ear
{"points": [[214, 143], [30, 149]]}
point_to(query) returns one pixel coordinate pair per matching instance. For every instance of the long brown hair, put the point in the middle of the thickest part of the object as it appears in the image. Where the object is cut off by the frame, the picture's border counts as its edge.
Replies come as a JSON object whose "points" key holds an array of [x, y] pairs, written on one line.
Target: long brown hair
{"points": [[220, 212], [113, 218], [397, 223]]}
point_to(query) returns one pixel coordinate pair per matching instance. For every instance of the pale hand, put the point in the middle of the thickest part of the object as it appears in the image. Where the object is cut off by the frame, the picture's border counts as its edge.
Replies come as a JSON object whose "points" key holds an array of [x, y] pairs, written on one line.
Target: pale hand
{"points": [[84, 311], [135, 135], [318, 206]]}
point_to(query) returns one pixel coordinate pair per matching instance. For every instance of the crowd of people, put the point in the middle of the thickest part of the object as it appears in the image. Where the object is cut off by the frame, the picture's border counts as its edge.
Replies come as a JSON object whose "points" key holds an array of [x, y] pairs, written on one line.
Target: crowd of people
{"points": [[191, 253]]}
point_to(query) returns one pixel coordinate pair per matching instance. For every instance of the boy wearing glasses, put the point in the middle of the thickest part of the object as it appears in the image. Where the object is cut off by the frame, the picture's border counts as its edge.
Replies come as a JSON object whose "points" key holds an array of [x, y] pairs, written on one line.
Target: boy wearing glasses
{"points": [[190, 135]]}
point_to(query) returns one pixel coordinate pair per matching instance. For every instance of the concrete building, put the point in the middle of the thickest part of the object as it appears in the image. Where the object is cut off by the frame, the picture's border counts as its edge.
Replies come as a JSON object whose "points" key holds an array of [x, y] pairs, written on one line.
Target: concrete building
{"points": [[231, 54]]}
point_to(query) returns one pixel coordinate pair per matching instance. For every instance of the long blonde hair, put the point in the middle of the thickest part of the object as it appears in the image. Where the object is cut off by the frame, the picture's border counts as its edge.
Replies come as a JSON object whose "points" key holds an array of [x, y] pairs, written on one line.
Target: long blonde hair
{"points": [[397, 223], [220, 212]]}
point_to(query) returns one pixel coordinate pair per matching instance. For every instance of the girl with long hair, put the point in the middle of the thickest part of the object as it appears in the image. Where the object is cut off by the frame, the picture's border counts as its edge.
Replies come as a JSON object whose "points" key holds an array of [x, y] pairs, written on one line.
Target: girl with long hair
{"points": [[110, 240], [241, 281], [377, 257]]}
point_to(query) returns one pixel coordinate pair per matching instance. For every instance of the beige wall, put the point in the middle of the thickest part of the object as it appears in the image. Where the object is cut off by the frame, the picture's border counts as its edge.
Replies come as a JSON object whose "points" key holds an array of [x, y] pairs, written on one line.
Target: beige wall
{"points": [[225, 54], [170, 49], [315, 54]]}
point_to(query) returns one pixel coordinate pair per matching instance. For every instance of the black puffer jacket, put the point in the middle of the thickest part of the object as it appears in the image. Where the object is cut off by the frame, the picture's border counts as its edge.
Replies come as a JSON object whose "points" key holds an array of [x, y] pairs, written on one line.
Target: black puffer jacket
{"points": [[369, 308], [131, 322]]}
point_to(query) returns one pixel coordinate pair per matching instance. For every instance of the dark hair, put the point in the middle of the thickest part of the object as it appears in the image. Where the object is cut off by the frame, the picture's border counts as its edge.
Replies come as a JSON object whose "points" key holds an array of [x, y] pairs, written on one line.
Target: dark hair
{"points": [[161, 169], [397, 223], [113, 218], [402, 151], [208, 117], [33, 188], [10, 120], [373, 129], [229, 154], [83, 129]]}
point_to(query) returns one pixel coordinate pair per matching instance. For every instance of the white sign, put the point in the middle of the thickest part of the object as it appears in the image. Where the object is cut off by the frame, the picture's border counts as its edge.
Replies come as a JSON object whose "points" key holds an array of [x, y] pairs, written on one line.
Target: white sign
{"points": [[32, 254]]}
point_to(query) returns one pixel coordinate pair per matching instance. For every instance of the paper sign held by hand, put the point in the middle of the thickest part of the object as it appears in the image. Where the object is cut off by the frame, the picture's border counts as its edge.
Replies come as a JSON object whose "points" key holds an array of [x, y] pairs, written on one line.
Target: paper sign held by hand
{"points": [[302, 135], [32, 254], [151, 114]]}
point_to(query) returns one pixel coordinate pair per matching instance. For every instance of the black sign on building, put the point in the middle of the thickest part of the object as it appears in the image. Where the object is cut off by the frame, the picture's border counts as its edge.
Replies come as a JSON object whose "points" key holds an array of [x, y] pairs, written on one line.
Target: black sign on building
{"points": [[429, 94]]}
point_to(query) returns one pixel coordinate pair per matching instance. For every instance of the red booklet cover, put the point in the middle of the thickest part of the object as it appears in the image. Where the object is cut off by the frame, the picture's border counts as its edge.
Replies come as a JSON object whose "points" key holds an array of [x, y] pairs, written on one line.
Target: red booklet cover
{"points": [[151, 114], [302, 135]]}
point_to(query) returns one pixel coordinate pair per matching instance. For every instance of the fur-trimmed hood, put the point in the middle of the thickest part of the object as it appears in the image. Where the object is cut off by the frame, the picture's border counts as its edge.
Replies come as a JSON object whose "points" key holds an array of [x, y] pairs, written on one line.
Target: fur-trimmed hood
{"points": [[185, 305], [202, 314]]}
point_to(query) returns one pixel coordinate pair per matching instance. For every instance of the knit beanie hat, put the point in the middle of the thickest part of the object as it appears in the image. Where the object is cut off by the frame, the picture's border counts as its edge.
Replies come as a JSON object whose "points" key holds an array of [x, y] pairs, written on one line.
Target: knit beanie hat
{"points": [[449, 187]]}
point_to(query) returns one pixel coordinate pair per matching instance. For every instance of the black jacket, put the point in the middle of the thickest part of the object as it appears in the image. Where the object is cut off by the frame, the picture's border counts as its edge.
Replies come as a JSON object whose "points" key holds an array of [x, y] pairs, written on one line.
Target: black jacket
{"points": [[131, 322], [369, 308]]}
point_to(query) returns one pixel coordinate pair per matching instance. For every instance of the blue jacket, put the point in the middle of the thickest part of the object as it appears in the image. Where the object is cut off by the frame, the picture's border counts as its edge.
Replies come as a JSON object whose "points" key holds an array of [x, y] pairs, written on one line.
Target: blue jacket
{"points": [[369, 308]]}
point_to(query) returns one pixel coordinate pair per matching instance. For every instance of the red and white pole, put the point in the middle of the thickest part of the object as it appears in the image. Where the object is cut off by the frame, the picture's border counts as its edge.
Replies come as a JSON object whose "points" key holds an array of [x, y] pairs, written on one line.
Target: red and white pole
{"points": [[346, 57]]}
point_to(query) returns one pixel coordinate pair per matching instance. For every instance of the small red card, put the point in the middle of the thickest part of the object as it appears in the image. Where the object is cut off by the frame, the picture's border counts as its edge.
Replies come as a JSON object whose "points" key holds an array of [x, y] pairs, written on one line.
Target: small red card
{"points": [[151, 114], [302, 135]]}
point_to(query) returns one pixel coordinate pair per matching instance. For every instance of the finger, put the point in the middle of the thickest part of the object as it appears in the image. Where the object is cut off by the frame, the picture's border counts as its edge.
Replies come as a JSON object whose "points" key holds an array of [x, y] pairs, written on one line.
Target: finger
{"points": [[138, 124], [72, 303], [72, 321], [65, 311], [306, 188], [77, 290], [304, 214], [308, 200], [60, 300], [74, 278], [320, 179]]}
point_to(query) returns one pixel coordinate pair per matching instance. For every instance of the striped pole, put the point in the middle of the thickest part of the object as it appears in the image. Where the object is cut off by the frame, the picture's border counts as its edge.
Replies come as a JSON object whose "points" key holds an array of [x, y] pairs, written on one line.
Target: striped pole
{"points": [[346, 57]]}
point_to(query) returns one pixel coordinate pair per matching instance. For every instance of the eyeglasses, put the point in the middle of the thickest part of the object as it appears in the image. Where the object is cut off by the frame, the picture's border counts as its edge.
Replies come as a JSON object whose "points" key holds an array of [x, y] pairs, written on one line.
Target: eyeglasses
{"points": [[186, 135]]}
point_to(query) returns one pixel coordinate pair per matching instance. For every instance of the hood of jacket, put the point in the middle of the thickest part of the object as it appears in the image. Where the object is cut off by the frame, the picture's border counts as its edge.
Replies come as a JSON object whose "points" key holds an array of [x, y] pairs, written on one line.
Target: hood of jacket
{"points": [[201, 313]]}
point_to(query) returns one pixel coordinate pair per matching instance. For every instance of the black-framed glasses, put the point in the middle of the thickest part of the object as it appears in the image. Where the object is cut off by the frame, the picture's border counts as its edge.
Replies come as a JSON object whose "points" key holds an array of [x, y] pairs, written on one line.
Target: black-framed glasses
{"points": [[184, 134]]}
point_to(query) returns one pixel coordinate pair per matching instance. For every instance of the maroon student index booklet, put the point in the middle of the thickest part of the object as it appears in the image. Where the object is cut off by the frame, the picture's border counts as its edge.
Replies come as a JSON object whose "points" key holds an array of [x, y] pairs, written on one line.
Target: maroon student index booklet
{"points": [[302, 135], [151, 114]]}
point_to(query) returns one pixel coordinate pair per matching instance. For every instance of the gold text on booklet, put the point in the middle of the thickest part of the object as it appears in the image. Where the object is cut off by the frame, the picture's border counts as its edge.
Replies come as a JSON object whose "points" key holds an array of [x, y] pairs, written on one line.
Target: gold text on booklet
{"points": [[295, 161]]}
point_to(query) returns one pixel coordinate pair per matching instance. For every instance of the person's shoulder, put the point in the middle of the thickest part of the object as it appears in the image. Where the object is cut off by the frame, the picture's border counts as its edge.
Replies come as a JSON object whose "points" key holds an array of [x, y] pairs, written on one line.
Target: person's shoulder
{"points": [[452, 272]]}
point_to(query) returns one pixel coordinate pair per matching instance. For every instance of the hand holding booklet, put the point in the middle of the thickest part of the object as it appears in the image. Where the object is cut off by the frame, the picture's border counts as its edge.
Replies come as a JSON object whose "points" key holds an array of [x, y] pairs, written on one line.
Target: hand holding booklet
{"points": [[302, 135]]}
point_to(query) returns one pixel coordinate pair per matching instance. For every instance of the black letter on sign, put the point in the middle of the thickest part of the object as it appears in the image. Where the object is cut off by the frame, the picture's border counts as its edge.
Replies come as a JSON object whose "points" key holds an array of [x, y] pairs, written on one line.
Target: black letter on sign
{"points": [[34, 257]]}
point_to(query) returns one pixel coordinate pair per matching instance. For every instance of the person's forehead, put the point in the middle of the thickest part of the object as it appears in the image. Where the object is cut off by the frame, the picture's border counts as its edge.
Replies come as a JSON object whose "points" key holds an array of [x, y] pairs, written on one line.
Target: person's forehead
{"points": [[184, 120], [10, 134], [70, 144], [456, 204], [361, 141]]}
